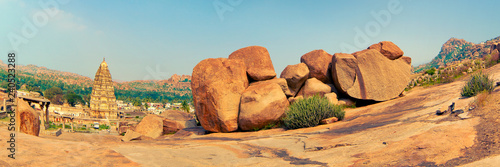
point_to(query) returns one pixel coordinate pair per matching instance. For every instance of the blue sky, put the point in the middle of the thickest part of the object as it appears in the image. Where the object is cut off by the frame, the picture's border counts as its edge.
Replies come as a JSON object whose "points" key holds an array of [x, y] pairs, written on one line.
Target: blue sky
{"points": [[155, 39]]}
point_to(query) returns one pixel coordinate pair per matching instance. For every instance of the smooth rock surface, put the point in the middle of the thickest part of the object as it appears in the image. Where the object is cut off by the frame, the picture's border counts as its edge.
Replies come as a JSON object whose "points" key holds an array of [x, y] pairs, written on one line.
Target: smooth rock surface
{"points": [[332, 98], [314, 87], [295, 75], [378, 78], [344, 71], [131, 135], [388, 49], [318, 62], [150, 126], [257, 60], [184, 119], [280, 81], [262, 104], [217, 85]]}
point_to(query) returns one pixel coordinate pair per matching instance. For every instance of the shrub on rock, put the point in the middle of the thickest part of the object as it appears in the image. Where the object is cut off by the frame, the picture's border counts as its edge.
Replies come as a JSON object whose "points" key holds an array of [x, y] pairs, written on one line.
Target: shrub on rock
{"points": [[477, 83], [310, 111]]}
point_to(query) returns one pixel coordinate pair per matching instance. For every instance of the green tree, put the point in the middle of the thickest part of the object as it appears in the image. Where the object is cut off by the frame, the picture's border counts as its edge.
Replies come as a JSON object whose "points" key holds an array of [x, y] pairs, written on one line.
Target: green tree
{"points": [[36, 89], [72, 98], [55, 95], [185, 106], [137, 102], [86, 99]]}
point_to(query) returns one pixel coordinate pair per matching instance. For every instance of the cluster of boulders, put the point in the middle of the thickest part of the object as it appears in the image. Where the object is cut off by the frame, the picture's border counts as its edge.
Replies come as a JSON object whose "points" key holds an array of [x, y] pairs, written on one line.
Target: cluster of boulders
{"points": [[243, 91], [153, 126]]}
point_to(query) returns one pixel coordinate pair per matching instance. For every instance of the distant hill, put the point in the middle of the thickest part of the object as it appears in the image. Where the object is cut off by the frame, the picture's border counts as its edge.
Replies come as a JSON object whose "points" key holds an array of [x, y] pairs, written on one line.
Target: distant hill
{"points": [[456, 50], [175, 88]]}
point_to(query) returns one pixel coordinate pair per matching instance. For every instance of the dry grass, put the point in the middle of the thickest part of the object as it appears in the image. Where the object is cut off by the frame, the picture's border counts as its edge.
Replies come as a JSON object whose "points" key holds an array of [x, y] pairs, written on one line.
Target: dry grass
{"points": [[481, 100]]}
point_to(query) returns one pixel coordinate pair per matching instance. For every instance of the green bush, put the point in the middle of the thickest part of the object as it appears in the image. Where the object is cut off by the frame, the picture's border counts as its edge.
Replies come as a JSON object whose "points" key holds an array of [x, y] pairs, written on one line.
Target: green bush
{"points": [[309, 112], [431, 71], [103, 127], [478, 82]]}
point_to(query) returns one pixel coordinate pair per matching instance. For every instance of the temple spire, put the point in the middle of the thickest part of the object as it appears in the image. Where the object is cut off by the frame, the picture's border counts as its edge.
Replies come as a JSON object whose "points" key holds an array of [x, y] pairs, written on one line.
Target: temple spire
{"points": [[103, 99]]}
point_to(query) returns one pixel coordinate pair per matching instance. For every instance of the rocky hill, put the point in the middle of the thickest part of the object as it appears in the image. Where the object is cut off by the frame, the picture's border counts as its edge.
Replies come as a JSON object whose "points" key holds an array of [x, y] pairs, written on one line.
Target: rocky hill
{"points": [[456, 50], [45, 78], [176, 83]]}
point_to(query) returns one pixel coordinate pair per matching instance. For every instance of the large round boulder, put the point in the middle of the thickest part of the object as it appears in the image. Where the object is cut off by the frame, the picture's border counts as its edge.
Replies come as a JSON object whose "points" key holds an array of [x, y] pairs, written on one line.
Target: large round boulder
{"points": [[314, 87], [29, 120], [379, 78], [318, 62], [344, 71], [262, 104], [388, 49], [257, 60], [150, 126], [217, 85], [295, 75]]}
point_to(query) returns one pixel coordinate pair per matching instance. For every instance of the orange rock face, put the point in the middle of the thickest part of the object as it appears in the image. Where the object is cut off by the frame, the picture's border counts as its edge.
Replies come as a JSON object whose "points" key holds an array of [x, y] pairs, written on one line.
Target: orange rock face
{"points": [[344, 71], [257, 60], [29, 119], [176, 120], [314, 87], [379, 78], [280, 81], [262, 104], [388, 49], [295, 76], [406, 59], [318, 62], [150, 126], [217, 85], [171, 126]]}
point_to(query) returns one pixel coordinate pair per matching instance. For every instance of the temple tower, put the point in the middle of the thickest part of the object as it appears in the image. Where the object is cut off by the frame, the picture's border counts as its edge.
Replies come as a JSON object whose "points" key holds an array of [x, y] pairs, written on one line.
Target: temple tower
{"points": [[102, 99]]}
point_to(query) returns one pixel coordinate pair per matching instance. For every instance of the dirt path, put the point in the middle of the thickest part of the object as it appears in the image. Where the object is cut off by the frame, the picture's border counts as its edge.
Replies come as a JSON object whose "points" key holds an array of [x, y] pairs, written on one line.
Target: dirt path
{"points": [[401, 132]]}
